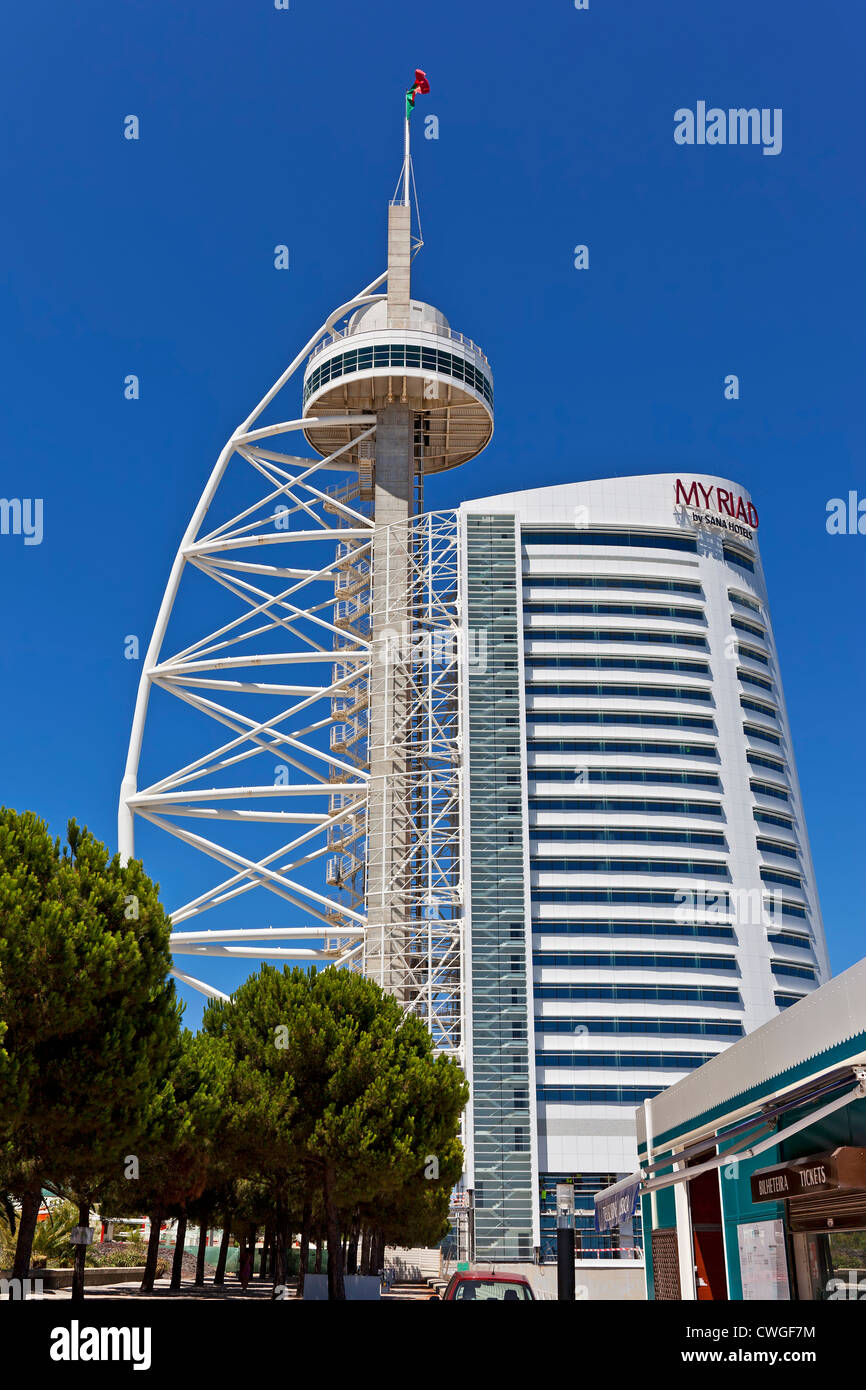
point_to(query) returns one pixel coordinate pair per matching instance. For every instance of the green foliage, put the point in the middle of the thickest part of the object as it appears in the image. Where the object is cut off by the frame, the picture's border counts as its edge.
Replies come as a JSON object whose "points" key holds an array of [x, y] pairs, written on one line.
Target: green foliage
{"points": [[51, 1243], [331, 1083], [132, 1256], [90, 1016]]}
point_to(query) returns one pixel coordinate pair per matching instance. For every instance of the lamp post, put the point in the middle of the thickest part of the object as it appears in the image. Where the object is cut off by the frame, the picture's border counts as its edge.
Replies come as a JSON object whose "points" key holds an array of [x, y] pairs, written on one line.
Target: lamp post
{"points": [[565, 1242]]}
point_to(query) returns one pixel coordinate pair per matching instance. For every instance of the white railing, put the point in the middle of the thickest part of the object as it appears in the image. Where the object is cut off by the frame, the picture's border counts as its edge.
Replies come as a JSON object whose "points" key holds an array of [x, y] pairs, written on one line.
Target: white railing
{"points": [[383, 334]]}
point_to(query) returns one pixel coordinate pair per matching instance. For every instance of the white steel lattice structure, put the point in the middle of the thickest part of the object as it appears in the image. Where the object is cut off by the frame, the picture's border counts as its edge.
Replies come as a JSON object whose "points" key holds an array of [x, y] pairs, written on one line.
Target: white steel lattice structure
{"points": [[331, 671]]}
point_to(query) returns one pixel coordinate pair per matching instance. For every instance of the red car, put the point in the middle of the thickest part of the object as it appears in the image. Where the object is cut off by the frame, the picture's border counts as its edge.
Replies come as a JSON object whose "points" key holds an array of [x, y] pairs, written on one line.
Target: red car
{"points": [[483, 1285]]}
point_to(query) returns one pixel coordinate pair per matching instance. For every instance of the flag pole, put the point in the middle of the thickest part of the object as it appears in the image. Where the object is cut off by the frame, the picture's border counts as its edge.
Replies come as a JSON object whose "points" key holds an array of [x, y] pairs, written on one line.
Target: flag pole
{"points": [[406, 162]]}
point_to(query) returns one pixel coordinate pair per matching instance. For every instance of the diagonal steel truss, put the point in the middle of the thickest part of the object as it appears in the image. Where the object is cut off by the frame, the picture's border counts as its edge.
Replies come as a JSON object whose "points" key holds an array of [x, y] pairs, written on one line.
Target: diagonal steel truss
{"points": [[281, 685]]}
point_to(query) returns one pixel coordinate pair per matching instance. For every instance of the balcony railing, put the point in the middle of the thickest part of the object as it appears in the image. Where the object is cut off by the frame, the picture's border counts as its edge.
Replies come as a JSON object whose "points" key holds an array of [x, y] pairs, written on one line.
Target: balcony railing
{"points": [[434, 330]]}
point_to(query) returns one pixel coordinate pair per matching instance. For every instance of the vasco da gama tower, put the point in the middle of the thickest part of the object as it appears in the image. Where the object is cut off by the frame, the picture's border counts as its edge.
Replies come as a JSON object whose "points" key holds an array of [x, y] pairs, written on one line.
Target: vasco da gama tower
{"points": [[525, 762]]}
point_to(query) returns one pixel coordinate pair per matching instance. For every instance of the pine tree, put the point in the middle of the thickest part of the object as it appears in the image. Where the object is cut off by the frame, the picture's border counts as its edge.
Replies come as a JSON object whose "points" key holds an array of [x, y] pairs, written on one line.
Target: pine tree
{"points": [[91, 1018]]}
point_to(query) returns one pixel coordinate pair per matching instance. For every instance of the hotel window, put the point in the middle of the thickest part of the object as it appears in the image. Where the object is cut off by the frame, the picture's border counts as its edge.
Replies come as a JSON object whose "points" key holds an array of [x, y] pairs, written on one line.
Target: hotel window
{"points": [[712, 868], [578, 536], [658, 1027], [742, 601], [594, 581], [669, 994], [776, 847], [738, 557]]}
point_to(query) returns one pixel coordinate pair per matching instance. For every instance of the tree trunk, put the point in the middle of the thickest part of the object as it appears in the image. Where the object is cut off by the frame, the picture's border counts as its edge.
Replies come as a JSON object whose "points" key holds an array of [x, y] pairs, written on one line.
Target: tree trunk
{"points": [[31, 1201], [220, 1271], [317, 1267], [266, 1251], [336, 1287], [152, 1251], [202, 1246], [253, 1237], [281, 1222], [80, 1254], [177, 1262], [352, 1249], [366, 1241], [304, 1251]]}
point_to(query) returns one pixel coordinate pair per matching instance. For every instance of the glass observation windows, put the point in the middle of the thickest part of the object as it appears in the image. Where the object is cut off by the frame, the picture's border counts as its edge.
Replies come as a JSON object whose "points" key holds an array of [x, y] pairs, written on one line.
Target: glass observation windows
{"points": [[399, 355]]}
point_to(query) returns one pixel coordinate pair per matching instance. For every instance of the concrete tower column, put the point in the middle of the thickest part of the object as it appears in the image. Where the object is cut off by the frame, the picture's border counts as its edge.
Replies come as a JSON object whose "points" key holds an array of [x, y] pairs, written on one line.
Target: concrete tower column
{"points": [[388, 822]]}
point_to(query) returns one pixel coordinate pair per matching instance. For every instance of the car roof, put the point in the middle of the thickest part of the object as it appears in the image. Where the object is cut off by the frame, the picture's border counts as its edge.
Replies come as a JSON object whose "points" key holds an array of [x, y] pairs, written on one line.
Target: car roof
{"points": [[488, 1274]]}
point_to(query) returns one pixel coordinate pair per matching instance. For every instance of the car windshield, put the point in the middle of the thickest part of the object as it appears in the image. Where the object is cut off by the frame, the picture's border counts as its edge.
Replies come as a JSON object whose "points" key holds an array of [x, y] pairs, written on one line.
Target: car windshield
{"points": [[493, 1288]]}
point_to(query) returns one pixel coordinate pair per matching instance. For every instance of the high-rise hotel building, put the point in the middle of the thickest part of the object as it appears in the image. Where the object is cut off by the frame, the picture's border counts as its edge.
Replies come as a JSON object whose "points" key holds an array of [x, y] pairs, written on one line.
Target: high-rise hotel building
{"points": [[640, 891]]}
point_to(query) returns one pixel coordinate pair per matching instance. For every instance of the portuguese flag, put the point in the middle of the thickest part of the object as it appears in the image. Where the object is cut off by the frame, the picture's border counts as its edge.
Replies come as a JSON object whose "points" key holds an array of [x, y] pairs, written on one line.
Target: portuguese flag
{"points": [[419, 85]]}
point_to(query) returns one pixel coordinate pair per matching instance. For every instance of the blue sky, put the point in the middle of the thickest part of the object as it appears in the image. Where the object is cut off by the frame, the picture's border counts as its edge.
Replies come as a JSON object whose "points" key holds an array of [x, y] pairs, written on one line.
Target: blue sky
{"points": [[260, 127]]}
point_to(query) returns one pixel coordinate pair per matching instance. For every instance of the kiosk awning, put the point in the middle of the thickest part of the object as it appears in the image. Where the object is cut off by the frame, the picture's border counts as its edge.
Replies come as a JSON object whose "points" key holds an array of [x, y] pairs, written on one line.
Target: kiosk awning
{"points": [[616, 1203]]}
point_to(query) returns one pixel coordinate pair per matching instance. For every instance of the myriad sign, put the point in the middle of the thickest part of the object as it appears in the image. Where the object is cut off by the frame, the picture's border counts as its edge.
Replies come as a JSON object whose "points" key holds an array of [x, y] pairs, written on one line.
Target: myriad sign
{"points": [[843, 1168], [712, 505]]}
